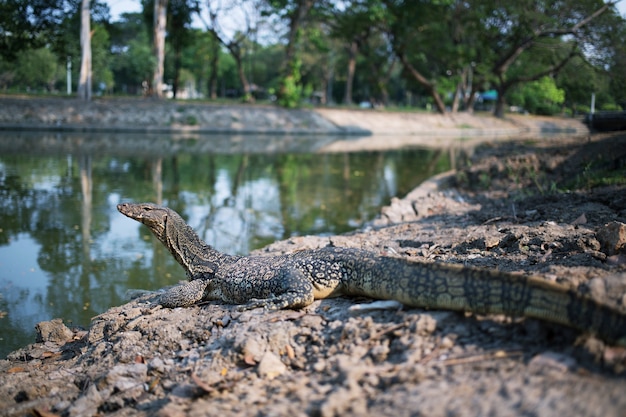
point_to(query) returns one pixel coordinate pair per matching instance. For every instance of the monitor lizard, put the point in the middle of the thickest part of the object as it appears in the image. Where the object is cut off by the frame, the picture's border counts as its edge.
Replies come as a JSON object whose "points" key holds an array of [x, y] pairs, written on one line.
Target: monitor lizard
{"points": [[295, 280]]}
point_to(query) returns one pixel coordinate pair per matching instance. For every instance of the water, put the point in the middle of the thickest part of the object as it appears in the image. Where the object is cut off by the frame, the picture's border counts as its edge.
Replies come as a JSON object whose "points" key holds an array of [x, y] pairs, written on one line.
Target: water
{"points": [[65, 251]]}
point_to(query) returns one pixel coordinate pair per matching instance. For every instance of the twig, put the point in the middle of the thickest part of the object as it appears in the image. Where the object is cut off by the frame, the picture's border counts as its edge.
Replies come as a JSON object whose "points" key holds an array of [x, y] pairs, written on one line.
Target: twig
{"points": [[498, 354]]}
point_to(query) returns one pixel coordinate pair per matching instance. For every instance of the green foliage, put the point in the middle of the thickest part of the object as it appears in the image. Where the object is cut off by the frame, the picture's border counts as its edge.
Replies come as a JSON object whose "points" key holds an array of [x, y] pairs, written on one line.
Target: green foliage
{"points": [[132, 60], [579, 80], [29, 24], [525, 40], [598, 173], [36, 69], [67, 44], [617, 80], [100, 56], [446, 86], [263, 69], [7, 74], [610, 107], [227, 72], [507, 46], [291, 89], [538, 97], [196, 57]]}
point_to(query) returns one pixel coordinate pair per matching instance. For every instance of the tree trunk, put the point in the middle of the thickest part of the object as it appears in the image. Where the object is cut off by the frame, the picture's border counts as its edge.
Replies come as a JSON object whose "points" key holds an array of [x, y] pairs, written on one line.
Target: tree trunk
{"points": [[245, 85], [177, 67], [457, 97], [160, 21], [471, 100], [329, 77], [379, 76], [430, 87], [84, 81], [500, 102], [352, 52], [215, 60], [302, 9]]}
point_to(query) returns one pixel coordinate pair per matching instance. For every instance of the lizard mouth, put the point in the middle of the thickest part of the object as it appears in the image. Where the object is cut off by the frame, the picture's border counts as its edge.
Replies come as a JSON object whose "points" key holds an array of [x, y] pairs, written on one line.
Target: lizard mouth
{"points": [[147, 214]]}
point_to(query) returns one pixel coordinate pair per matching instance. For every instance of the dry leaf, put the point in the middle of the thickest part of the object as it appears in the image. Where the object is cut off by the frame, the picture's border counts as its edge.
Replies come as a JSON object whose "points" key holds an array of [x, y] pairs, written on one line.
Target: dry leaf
{"points": [[153, 384], [201, 384], [249, 360], [290, 352]]}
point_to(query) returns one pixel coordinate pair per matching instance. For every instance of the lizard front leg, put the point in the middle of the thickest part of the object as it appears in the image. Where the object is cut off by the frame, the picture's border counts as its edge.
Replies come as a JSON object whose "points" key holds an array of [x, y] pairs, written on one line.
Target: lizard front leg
{"points": [[184, 295]]}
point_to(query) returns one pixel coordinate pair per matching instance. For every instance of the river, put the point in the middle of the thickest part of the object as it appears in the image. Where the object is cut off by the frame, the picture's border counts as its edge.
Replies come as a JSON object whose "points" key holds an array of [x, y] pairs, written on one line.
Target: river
{"points": [[66, 252]]}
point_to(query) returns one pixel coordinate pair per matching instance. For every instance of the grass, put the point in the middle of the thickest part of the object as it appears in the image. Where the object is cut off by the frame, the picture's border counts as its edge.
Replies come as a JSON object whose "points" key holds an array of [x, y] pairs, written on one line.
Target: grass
{"points": [[598, 177]]}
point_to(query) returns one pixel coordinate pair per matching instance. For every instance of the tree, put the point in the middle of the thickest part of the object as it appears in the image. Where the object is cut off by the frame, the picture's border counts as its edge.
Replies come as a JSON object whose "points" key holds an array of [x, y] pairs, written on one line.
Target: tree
{"points": [[159, 30], [215, 62], [352, 24], [202, 56], [610, 38], [553, 33], [243, 20], [198, 58], [26, 24], [420, 39], [179, 33], [616, 72], [84, 81], [36, 68], [579, 80], [133, 59], [538, 97], [380, 67], [296, 14]]}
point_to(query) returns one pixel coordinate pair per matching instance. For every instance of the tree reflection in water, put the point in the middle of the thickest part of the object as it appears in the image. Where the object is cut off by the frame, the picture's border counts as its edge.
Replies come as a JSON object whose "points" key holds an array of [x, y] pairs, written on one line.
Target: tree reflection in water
{"points": [[66, 252]]}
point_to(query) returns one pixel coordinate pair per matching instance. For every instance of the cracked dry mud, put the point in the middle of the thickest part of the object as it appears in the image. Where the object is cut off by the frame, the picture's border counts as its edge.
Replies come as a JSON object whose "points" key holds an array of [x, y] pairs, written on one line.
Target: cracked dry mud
{"points": [[512, 208]]}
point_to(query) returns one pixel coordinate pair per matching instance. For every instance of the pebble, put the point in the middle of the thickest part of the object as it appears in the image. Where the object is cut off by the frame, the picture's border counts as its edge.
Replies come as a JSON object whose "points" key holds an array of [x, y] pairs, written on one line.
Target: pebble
{"points": [[612, 238], [271, 366], [53, 331], [553, 360]]}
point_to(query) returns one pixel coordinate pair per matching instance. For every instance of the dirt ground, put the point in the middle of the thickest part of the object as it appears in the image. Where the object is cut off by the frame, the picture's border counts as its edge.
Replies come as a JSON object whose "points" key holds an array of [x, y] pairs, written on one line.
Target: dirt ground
{"points": [[537, 207]]}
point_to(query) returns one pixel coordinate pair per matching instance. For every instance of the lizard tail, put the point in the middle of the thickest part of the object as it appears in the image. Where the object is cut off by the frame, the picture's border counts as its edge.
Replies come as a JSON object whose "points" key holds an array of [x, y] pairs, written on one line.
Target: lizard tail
{"points": [[455, 287]]}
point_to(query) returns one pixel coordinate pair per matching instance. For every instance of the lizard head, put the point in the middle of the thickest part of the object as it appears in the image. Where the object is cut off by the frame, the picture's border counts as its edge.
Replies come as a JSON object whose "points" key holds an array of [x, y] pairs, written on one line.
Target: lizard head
{"points": [[152, 215], [194, 255]]}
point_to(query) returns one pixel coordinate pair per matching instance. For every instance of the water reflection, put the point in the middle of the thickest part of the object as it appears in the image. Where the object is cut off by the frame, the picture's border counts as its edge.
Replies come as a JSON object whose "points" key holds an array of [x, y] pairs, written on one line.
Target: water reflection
{"points": [[66, 252]]}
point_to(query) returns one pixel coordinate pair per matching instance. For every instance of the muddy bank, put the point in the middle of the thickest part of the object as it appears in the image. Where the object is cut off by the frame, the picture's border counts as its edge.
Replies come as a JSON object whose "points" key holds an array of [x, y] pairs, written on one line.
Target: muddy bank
{"points": [[522, 206], [388, 129]]}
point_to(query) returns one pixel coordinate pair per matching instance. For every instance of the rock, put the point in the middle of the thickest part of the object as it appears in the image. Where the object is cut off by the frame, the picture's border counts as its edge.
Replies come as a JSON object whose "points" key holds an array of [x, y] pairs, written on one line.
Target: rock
{"points": [[134, 371], [271, 366], [552, 360], [253, 350], [597, 289], [612, 238], [53, 331], [87, 404]]}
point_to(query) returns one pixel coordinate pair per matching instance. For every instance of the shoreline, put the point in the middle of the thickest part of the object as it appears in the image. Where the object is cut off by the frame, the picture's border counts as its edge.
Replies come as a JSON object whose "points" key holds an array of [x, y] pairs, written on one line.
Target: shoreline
{"points": [[366, 128]]}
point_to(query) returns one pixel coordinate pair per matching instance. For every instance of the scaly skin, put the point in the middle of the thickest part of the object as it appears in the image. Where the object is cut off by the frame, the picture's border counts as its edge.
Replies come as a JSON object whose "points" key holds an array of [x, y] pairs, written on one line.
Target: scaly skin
{"points": [[296, 280]]}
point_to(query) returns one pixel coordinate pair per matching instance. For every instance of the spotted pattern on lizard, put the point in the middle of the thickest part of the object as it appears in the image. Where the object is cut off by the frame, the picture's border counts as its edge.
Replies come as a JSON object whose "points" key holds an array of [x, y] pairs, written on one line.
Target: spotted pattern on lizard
{"points": [[295, 280]]}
